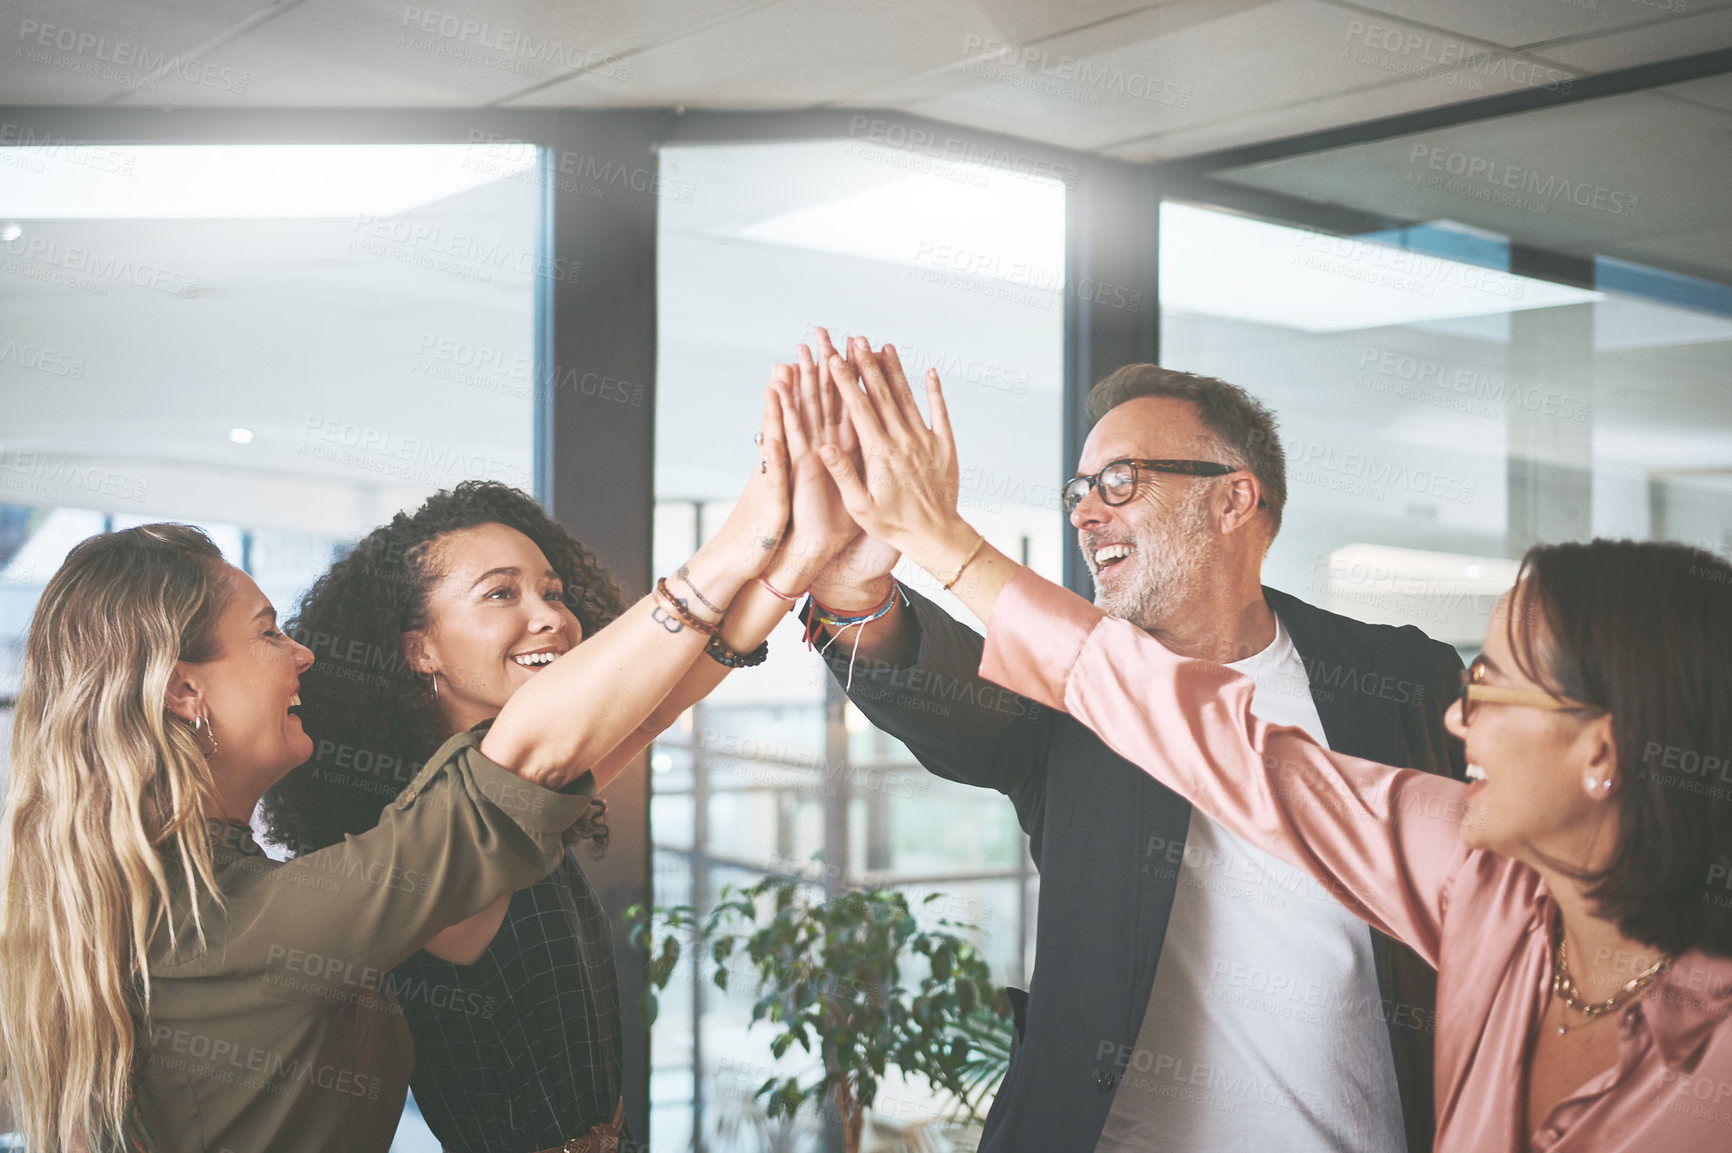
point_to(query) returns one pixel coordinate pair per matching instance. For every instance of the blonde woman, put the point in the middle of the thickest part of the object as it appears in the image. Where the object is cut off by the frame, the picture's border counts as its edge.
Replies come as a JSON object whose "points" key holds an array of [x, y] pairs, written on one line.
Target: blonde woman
{"points": [[162, 984]]}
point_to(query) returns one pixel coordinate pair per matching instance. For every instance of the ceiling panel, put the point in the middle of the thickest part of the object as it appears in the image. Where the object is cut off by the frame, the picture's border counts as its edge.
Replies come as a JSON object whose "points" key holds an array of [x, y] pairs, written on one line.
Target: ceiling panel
{"points": [[326, 53], [1585, 177], [86, 51], [823, 50], [1063, 76], [1526, 23], [1713, 91], [1032, 23], [1703, 28], [1282, 121], [1260, 61]]}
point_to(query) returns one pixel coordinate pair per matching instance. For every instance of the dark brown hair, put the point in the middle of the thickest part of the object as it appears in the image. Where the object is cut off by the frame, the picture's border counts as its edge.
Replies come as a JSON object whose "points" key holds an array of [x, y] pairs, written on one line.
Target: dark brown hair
{"points": [[1644, 631], [1243, 426], [373, 719]]}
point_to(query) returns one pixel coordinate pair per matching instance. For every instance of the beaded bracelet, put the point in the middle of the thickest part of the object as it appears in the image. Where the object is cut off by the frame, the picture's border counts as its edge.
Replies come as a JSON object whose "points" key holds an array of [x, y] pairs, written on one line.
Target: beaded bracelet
{"points": [[719, 651], [836, 621], [817, 616], [684, 614]]}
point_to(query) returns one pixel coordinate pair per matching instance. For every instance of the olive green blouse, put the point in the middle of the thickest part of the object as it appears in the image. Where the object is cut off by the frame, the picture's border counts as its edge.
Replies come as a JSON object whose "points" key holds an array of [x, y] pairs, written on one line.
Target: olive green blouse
{"points": [[280, 1032]]}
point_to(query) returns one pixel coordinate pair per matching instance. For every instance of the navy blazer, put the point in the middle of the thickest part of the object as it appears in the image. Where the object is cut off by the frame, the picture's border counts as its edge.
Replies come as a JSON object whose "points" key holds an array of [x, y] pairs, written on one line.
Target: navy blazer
{"points": [[1108, 838]]}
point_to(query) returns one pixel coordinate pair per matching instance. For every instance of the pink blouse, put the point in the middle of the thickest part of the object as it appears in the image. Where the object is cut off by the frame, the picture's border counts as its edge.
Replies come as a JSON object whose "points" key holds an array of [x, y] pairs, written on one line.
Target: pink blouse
{"points": [[1386, 842]]}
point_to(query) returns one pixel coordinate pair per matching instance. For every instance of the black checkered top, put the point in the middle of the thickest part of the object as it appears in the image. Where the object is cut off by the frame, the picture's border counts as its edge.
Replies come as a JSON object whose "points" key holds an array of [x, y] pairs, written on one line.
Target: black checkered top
{"points": [[521, 1050]]}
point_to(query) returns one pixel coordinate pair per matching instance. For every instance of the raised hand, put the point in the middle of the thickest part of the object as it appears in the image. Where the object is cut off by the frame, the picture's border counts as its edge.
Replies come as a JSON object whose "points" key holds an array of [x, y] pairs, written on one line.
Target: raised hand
{"points": [[821, 524], [754, 530], [901, 487], [844, 568]]}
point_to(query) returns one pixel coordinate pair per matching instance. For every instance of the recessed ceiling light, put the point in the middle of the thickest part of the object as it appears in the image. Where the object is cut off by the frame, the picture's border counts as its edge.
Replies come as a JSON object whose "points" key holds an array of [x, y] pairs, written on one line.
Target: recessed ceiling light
{"points": [[241, 435]]}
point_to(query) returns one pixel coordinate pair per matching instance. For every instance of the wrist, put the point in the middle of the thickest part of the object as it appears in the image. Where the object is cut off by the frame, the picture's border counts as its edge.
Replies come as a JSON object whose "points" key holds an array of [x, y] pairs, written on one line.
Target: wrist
{"points": [[942, 550], [715, 584], [850, 598], [798, 565]]}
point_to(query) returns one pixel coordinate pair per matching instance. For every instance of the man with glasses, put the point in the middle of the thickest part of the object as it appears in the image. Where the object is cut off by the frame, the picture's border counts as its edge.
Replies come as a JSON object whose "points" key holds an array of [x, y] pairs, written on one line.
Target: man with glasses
{"points": [[1190, 992]]}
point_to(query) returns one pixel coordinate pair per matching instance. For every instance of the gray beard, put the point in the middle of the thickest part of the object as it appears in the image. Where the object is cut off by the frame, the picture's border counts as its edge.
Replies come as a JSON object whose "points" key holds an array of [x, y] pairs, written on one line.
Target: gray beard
{"points": [[1171, 560]]}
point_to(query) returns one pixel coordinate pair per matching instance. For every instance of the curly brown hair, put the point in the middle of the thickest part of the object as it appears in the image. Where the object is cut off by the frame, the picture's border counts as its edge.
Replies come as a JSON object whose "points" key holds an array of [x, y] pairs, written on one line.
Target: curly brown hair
{"points": [[373, 719]]}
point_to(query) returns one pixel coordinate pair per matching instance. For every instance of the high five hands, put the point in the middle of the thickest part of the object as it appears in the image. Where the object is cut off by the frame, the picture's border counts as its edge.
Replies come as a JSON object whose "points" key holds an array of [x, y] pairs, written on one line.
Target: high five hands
{"points": [[893, 478]]}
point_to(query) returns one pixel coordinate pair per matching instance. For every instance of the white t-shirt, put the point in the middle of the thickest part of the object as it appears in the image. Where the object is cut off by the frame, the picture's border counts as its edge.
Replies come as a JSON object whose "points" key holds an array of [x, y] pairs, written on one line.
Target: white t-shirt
{"points": [[1265, 1026]]}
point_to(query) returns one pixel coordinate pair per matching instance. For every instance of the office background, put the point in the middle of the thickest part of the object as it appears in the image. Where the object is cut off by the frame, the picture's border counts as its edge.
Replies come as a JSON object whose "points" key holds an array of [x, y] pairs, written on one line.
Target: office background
{"points": [[284, 270]]}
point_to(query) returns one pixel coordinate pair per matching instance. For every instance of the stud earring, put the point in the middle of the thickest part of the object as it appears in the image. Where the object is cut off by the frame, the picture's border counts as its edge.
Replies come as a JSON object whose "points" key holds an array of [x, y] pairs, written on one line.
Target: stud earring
{"points": [[1598, 786]]}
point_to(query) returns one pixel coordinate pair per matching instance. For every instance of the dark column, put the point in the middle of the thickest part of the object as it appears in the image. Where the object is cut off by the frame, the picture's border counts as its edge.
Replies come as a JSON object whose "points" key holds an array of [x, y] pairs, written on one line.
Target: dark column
{"points": [[596, 437], [1112, 316]]}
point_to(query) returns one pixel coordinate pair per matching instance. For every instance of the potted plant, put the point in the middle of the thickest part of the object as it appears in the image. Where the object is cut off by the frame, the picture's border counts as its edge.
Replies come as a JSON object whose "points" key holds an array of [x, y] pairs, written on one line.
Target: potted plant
{"points": [[853, 980]]}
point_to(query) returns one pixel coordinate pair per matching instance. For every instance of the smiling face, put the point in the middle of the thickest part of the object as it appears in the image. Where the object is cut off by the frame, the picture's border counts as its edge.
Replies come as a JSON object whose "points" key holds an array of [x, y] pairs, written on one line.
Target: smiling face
{"points": [[496, 616], [1531, 766], [1148, 553], [247, 690]]}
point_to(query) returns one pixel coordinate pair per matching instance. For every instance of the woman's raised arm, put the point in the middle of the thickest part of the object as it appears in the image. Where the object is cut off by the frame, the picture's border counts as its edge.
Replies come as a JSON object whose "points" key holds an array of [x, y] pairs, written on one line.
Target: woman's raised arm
{"points": [[582, 706], [819, 529]]}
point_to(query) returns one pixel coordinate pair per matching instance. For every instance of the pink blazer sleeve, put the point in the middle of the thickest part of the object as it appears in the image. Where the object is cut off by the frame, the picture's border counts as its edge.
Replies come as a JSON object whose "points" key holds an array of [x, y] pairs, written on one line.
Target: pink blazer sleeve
{"points": [[1385, 841]]}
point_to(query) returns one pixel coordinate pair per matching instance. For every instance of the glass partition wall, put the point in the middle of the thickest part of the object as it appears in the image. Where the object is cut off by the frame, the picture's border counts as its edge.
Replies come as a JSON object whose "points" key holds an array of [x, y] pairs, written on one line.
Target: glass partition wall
{"points": [[1443, 404], [961, 268]]}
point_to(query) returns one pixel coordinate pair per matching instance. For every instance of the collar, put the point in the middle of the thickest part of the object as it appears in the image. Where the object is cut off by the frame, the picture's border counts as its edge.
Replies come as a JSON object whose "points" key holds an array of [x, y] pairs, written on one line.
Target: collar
{"points": [[1692, 1000]]}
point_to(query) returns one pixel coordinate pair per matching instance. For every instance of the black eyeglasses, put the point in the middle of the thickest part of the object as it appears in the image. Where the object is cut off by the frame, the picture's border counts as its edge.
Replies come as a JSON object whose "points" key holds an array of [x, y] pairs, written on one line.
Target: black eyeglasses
{"points": [[1118, 480]]}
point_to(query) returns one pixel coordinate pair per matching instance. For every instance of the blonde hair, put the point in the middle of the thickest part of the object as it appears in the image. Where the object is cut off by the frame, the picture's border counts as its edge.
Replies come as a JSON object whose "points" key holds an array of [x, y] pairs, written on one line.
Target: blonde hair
{"points": [[108, 793]]}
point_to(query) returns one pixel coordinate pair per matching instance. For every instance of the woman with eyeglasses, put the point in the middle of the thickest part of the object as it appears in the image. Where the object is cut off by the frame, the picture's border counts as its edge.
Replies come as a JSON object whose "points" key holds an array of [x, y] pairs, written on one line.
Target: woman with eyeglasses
{"points": [[1576, 897]]}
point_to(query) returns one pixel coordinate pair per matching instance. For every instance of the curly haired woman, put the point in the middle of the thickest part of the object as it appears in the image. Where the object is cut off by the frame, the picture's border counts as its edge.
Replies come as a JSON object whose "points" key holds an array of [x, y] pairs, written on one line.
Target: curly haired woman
{"points": [[426, 629]]}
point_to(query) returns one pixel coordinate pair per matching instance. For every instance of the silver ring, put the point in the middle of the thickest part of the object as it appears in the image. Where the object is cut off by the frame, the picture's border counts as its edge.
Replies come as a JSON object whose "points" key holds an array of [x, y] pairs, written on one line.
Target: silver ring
{"points": [[763, 465], [757, 438]]}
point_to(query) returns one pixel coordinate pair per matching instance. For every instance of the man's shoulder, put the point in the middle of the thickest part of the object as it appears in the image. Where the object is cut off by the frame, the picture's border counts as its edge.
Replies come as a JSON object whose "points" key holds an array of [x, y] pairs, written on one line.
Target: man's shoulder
{"points": [[1312, 627]]}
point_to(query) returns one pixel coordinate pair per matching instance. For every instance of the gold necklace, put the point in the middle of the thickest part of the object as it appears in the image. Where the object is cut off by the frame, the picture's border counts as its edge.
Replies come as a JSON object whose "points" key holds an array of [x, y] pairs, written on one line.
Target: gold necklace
{"points": [[1565, 986]]}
